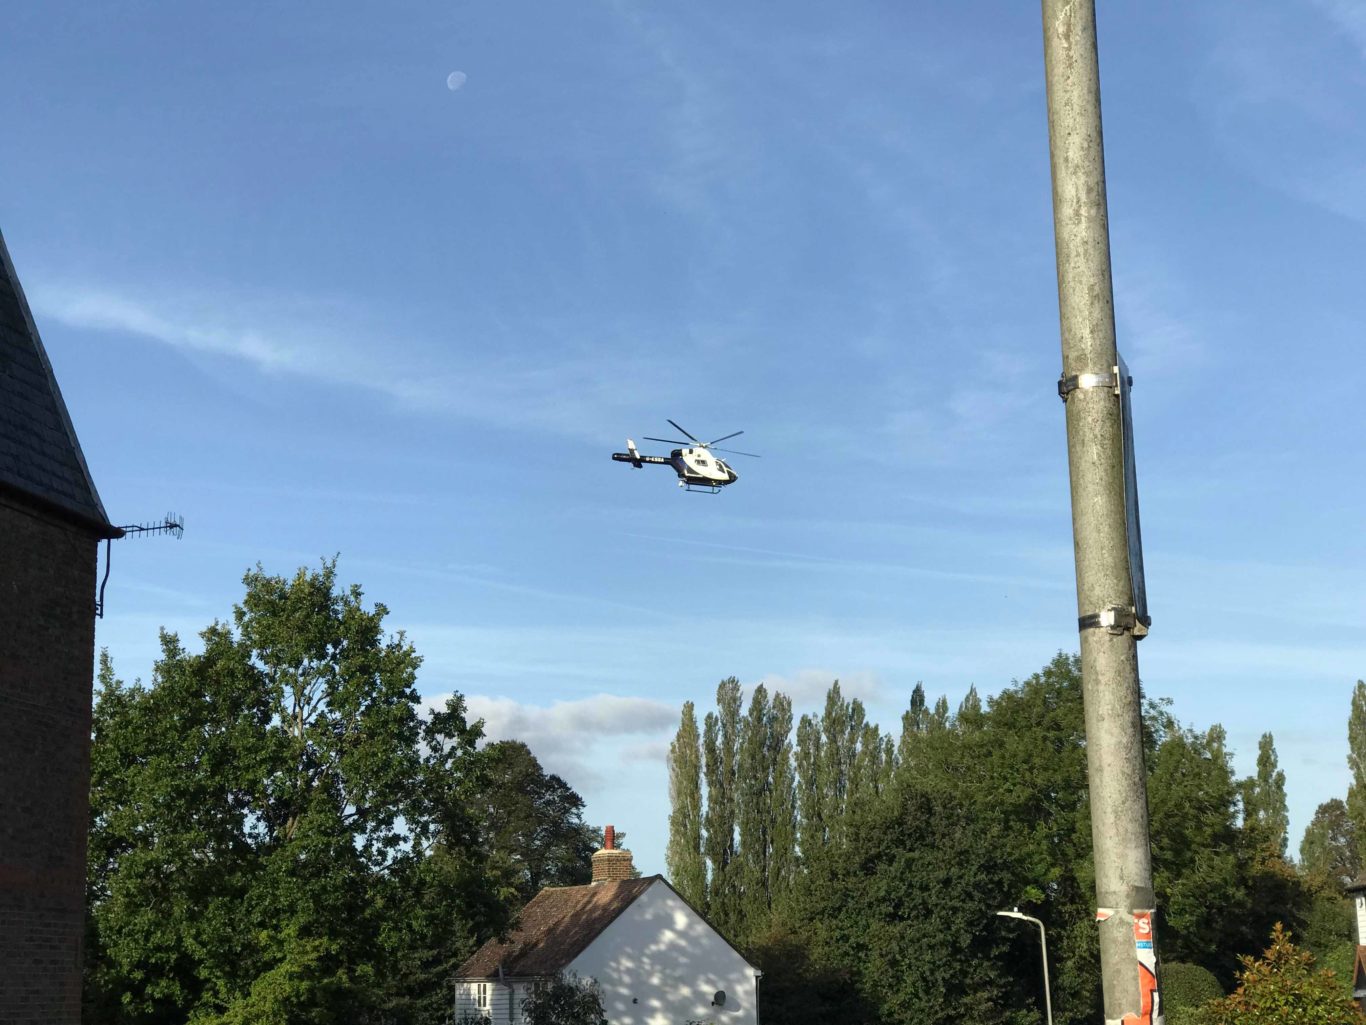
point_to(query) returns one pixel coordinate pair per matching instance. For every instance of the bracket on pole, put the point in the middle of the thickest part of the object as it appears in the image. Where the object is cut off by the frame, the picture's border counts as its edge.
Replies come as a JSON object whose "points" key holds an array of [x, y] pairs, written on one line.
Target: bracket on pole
{"points": [[1068, 384], [1116, 619]]}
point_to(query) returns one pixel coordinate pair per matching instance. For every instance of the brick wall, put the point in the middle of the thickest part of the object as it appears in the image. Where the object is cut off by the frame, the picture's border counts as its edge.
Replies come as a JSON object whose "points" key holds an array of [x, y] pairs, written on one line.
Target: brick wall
{"points": [[47, 638]]}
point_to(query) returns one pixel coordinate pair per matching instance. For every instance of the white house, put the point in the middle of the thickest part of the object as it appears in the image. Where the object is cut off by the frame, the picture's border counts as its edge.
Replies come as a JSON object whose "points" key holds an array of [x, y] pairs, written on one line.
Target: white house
{"points": [[655, 958]]}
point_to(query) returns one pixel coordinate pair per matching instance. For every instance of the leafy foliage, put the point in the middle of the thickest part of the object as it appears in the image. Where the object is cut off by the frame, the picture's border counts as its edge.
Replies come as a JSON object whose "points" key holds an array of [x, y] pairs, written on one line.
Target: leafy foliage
{"points": [[1330, 846], [907, 907], [277, 835], [1282, 988], [684, 859], [1356, 762], [1004, 776], [720, 742], [532, 822], [564, 1000], [1264, 807], [799, 988], [1186, 987]]}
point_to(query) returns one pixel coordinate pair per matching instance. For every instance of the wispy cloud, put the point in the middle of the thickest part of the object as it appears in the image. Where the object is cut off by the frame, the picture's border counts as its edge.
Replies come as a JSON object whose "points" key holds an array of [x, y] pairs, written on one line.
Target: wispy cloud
{"points": [[491, 377], [808, 687], [1349, 16], [1284, 109]]}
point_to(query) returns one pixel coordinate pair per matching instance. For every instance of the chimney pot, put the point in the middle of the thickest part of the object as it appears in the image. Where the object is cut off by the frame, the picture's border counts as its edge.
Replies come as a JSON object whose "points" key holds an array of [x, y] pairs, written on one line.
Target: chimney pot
{"points": [[609, 839]]}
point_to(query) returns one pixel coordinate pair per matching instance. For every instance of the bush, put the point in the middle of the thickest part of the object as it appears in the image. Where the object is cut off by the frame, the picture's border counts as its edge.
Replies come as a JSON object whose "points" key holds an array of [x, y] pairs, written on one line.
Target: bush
{"points": [[564, 1000], [1186, 987], [1282, 988]]}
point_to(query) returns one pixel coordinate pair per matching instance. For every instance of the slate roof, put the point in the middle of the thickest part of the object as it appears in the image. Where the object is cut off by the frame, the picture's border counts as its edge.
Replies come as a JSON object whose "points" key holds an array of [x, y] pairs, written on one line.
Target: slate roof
{"points": [[40, 457], [555, 928]]}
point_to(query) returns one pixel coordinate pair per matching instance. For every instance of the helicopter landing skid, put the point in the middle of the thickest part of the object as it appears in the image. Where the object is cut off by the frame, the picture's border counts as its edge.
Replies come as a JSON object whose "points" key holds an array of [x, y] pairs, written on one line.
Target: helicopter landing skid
{"points": [[706, 489]]}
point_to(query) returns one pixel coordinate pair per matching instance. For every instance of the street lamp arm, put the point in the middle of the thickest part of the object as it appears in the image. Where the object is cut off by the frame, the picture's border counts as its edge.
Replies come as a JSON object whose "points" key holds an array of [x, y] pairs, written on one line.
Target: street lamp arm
{"points": [[1043, 940]]}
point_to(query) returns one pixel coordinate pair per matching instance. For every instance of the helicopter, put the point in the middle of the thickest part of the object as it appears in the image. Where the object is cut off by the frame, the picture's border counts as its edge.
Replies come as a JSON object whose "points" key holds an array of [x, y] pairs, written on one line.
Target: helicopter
{"points": [[697, 468]]}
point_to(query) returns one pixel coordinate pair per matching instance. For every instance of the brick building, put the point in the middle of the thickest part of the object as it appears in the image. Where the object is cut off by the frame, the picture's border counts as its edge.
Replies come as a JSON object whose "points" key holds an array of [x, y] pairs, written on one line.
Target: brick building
{"points": [[51, 522]]}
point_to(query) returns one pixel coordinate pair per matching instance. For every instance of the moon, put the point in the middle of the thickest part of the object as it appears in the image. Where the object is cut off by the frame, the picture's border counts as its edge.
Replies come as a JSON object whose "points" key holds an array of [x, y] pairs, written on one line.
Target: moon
{"points": [[455, 80]]}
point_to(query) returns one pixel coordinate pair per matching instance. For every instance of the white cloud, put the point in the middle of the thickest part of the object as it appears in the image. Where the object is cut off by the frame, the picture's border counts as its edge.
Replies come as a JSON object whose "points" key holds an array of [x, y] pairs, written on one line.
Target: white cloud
{"points": [[581, 739]]}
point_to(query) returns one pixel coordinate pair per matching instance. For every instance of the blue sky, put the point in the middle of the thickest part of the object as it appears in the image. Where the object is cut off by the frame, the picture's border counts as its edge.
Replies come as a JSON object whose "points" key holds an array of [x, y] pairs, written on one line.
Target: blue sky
{"points": [[300, 291]]}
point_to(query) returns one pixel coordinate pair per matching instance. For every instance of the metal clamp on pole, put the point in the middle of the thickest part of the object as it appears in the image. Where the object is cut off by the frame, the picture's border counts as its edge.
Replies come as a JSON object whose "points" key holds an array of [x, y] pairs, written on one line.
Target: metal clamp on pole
{"points": [[1068, 384], [1116, 619]]}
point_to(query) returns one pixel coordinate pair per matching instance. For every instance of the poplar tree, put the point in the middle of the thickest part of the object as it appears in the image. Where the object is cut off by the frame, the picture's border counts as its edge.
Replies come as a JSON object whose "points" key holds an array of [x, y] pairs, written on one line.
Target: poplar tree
{"points": [[914, 722], [841, 725], [970, 709], [866, 773], [1264, 804], [686, 865], [782, 861], [1356, 761], [720, 740], [754, 809], [810, 822]]}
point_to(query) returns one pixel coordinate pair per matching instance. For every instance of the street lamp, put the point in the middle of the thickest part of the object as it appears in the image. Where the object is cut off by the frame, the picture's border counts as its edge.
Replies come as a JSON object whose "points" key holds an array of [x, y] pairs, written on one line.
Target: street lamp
{"points": [[1043, 939]]}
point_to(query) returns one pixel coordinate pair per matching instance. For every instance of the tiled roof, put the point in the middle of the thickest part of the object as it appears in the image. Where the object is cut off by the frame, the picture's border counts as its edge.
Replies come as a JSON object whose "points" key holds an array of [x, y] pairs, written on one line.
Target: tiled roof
{"points": [[39, 454], [555, 928]]}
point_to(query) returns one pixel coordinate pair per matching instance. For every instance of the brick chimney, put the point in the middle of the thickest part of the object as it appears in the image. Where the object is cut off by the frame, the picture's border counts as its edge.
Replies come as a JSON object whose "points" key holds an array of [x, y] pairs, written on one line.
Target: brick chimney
{"points": [[611, 864]]}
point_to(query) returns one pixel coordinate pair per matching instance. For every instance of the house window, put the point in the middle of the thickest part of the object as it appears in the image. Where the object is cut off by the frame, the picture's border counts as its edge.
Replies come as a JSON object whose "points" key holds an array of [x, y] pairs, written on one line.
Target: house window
{"points": [[481, 995]]}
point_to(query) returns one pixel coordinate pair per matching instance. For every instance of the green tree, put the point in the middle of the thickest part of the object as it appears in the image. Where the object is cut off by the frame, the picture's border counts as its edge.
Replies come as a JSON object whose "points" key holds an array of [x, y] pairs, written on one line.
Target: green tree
{"points": [[970, 709], [1356, 761], [841, 723], [1329, 848], [720, 740], [783, 861], [1264, 804], [914, 722], [1197, 866], [754, 811], [906, 908], [532, 822], [800, 988], [277, 834], [686, 865], [811, 831], [1283, 987], [564, 1000]]}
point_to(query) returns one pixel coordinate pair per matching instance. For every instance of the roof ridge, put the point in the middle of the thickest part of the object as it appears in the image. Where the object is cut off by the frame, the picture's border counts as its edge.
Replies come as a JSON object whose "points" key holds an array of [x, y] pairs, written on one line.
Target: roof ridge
{"points": [[554, 927]]}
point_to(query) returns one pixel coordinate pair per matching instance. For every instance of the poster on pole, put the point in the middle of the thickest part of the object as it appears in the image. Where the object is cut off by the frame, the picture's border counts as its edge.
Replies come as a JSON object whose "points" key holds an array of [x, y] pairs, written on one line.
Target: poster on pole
{"points": [[1132, 529]]}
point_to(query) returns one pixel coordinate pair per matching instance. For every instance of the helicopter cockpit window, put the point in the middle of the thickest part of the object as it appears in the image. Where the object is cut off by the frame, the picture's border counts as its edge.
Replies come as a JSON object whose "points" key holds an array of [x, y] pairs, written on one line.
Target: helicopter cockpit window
{"points": [[701, 461]]}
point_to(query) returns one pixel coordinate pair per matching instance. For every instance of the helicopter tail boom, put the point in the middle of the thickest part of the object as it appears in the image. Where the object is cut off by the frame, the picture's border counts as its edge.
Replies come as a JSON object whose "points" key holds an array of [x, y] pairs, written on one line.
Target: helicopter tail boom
{"points": [[633, 456], [639, 460]]}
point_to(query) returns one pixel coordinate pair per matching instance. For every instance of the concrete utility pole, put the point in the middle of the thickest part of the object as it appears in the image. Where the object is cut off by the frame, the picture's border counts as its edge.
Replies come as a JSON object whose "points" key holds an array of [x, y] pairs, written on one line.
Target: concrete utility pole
{"points": [[1105, 594]]}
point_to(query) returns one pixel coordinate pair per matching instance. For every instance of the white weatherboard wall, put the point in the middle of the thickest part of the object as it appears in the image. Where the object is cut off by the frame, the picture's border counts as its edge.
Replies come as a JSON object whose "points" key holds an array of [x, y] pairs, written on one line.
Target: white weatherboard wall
{"points": [[504, 1002], [660, 963]]}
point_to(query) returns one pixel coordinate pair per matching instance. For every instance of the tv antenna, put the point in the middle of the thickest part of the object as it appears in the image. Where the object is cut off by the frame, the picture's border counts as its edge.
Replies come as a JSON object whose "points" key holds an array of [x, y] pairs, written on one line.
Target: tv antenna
{"points": [[172, 524]]}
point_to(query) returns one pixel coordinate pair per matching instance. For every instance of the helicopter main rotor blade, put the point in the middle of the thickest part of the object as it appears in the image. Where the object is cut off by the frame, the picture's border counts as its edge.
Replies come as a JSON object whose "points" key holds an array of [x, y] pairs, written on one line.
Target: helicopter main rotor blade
{"points": [[733, 452], [681, 430], [669, 441], [735, 435]]}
